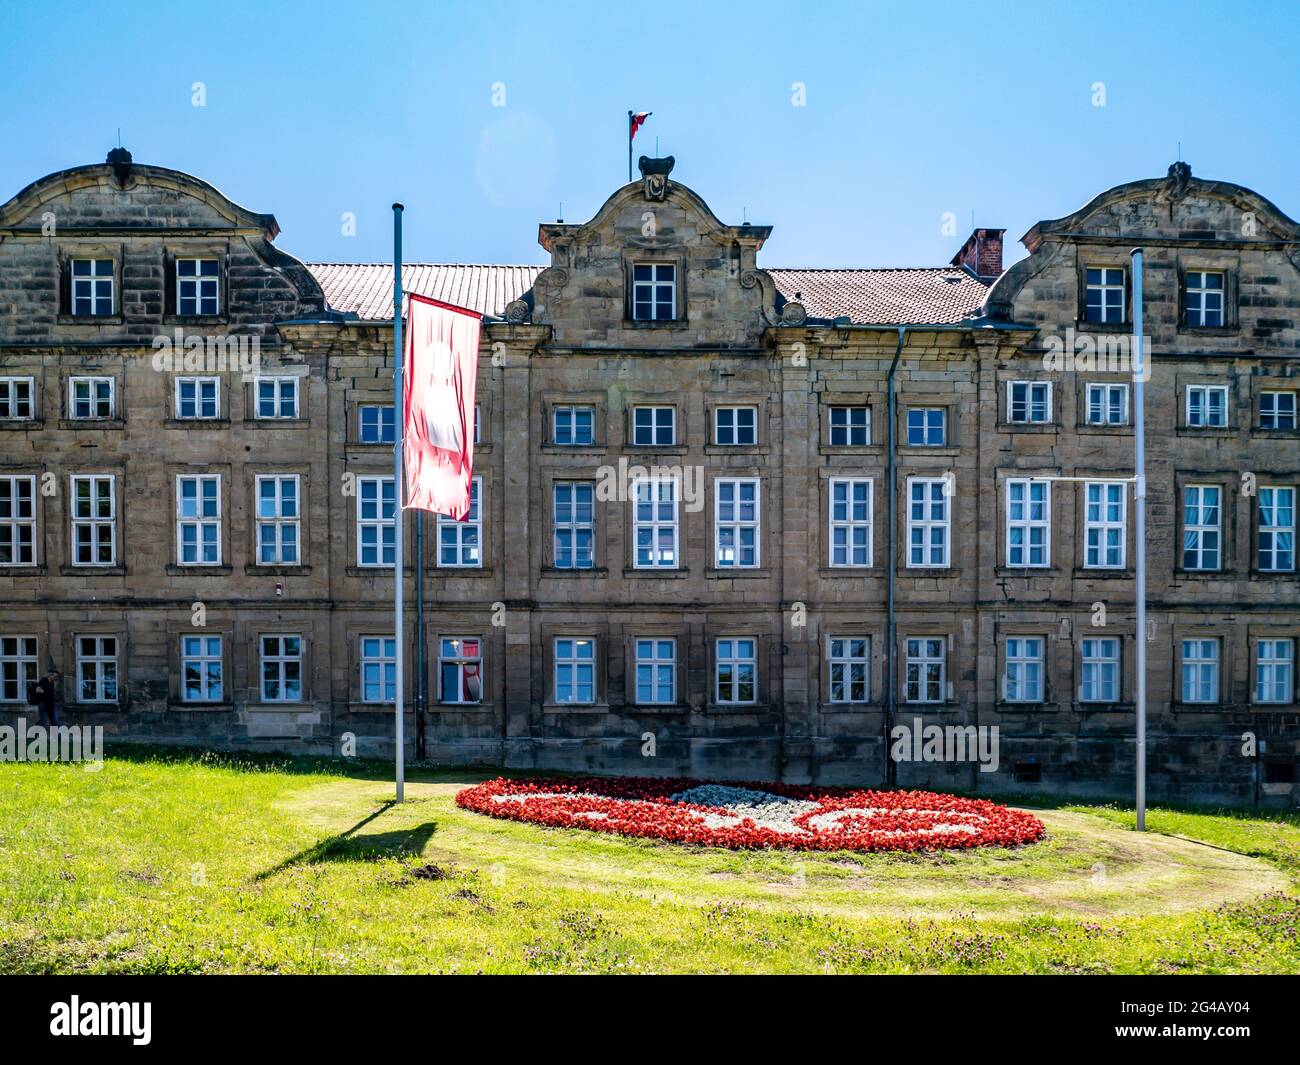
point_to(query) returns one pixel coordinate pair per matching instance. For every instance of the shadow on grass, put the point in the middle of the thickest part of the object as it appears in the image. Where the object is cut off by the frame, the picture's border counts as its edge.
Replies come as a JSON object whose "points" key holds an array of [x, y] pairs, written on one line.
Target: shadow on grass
{"points": [[349, 846], [427, 773]]}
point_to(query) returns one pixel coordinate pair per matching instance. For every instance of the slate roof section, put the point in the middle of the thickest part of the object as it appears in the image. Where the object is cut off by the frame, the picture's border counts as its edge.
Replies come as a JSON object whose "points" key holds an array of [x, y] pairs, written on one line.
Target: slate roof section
{"points": [[925, 296]]}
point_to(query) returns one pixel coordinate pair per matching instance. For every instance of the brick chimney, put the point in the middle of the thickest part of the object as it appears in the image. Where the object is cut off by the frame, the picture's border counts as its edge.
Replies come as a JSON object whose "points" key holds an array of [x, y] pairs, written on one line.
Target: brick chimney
{"points": [[982, 253]]}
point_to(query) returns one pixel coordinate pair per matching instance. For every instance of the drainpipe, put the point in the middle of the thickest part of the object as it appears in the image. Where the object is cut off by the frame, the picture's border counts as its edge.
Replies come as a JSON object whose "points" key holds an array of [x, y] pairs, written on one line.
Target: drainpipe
{"points": [[891, 640]]}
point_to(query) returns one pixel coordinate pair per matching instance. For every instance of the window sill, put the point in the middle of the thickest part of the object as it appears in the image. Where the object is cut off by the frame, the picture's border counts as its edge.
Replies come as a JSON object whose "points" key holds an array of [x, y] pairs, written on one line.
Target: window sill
{"points": [[851, 708], [198, 707], [281, 708], [1232, 329], [1027, 427], [656, 708], [92, 708], [723, 573], [1005, 706], [1206, 430], [928, 571], [1027, 571], [23, 571], [1275, 708], [1204, 575], [570, 572], [1204, 708], [1274, 575], [579, 450], [656, 571], [1082, 325], [928, 449], [653, 323], [90, 319], [840, 572], [196, 319], [850, 449], [196, 423], [456, 571], [272, 570], [736, 449], [652, 451], [1102, 708], [98, 424], [175, 569], [737, 708], [21, 424], [1091, 429], [114, 570], [937, 708], [575, 708], [1276, 434], [277, 423], [1103, 574]]}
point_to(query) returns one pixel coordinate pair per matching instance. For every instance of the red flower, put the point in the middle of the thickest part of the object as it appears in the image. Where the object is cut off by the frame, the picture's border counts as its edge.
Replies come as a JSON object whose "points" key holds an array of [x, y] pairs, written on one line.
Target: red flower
{"points": [[785, 816]]}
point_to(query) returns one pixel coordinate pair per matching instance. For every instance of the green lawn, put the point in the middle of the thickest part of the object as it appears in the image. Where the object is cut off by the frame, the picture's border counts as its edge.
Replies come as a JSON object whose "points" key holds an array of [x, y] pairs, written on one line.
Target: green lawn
{"points": [[173, 862]]}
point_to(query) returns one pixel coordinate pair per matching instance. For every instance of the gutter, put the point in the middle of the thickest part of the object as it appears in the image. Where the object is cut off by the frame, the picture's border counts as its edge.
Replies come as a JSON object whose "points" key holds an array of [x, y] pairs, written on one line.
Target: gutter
{"points": [[891, 640]]}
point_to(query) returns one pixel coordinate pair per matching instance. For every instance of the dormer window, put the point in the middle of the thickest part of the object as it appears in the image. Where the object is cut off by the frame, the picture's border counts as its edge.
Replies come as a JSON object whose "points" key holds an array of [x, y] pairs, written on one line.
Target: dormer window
{"points": [[197, 287], [654, 292], [1104, 295], [92, 287]]}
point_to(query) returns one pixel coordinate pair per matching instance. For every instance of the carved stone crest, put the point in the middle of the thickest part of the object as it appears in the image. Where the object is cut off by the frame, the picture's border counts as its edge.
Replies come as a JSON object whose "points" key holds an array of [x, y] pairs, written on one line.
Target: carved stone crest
{"points": [[517, 312], [1178, 180], [655, 173]]}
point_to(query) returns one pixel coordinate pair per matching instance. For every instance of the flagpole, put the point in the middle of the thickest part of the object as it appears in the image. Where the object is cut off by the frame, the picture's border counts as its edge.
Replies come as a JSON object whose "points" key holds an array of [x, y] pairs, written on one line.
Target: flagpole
{"points": [[399, 482], [629, 146]]}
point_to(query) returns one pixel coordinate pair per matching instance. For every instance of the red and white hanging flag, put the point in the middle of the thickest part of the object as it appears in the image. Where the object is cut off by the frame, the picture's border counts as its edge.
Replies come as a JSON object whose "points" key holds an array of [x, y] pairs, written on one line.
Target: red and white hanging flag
{"points": [[638, 120], [440, 372]]}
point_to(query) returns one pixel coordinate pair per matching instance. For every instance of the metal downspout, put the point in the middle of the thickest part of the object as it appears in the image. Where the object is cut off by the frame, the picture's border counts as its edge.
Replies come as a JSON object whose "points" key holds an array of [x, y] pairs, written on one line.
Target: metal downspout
{"points": [[891, 640]]}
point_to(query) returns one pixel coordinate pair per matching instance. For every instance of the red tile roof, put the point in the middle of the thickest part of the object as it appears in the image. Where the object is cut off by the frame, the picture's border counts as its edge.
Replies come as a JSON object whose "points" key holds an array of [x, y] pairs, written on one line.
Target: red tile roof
{"points": [[926, 296]]}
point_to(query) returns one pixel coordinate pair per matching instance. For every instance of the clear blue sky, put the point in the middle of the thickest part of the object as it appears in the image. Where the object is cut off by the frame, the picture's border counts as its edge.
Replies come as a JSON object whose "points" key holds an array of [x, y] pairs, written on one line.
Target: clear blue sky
{"points": [[912, 110]]}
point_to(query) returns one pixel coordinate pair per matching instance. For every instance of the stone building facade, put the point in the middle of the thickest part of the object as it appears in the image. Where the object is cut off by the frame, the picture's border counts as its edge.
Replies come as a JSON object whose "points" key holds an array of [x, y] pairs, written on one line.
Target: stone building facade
{"points": [[681, 559]]}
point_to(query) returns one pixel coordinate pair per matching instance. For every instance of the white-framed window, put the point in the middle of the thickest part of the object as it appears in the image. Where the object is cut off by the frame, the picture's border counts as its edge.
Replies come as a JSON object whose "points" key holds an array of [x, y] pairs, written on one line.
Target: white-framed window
{"points": [[1104, 520], [278, 517], [654, 426], [928, 519], [92, 287], [1107, 404], [850, 668], [1204, 298], [925, 680], [198, 519], [460, 542], [1023, 680], [378, 669], [1200, 671], [460, 669], [573, 426], [736, 525], [18, 520], [1277, 530], [575, 524], [281, 668], [18, 667], [575, 669], [1029, 402], [1207, 406], [197, 287], [198, 397], [478, 423], [735, 426], [850, 525], [1100, 677], [1275, 671], [96, 669], [375, 423], [1202, 522], [654, 523], [927, 426], [201, 669], [376, 522], [654, 291], [1277, 410], [90, 398], [94, 520], [736, 670], [16, 398], [275, 397], [1104, 294], [850, 426], [656, 671], [1029, 522]]}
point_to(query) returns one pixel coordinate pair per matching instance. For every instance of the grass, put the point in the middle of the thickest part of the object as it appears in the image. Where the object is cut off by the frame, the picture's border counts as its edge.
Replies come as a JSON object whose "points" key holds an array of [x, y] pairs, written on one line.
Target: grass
{"points": [[166, 861]]}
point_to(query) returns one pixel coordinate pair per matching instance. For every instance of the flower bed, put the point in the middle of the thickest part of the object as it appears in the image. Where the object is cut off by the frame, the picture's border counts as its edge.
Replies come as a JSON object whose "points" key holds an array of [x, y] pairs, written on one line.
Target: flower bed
{"points": [[742, 816]]}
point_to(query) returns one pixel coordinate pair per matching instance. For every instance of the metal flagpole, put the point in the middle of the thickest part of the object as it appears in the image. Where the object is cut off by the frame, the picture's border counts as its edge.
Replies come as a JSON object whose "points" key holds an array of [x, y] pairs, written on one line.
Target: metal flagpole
{"points": [[399, 494], [1140, 502], [629, 146], [421, 679]]}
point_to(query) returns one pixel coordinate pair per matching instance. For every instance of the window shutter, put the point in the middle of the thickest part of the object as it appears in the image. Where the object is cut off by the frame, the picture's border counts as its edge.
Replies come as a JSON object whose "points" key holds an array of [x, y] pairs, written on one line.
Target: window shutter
{"points": [[169, 284], [65, 285]]}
